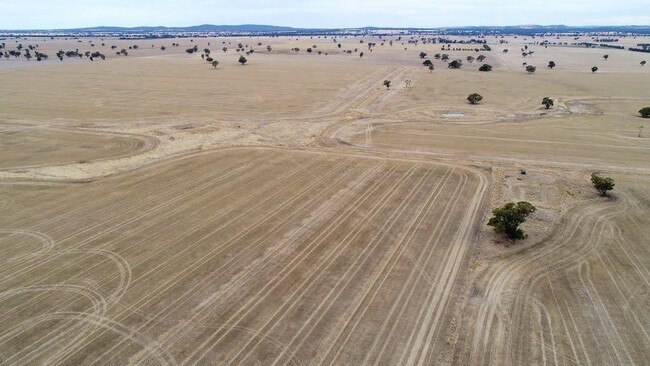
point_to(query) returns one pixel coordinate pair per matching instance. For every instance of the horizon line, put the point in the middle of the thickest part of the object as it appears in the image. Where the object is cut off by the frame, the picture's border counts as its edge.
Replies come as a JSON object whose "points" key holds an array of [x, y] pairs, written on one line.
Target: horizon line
{"points": [[322, 28]]}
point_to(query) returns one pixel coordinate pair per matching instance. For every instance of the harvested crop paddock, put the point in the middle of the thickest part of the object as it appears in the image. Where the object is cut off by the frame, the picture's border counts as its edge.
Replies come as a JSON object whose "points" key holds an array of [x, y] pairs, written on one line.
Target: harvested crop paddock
{"points": [[22, 146], [600, 141], [240, 256], [578, 297]]}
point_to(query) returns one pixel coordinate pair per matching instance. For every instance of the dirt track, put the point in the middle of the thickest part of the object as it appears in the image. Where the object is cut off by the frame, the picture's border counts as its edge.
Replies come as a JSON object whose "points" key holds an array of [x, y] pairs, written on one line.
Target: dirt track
{"points": [[337, 223]]}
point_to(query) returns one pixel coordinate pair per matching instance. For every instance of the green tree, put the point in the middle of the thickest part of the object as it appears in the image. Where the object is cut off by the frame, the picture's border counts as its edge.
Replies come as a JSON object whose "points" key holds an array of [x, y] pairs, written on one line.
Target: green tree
{"points": [[602, 184], [645, 112], [485, 67], [474, 98], [547, 102], [507, 219], [456, 64], [243, 60]]}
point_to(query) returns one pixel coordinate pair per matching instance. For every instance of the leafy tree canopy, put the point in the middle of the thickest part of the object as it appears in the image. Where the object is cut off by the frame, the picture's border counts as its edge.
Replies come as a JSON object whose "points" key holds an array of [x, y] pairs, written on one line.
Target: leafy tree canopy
{"points": [[507, 219]]}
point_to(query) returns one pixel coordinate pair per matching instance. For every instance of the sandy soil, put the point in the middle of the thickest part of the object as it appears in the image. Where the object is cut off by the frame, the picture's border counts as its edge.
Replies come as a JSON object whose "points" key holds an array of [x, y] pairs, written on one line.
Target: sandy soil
{"points": [[296, 211]]}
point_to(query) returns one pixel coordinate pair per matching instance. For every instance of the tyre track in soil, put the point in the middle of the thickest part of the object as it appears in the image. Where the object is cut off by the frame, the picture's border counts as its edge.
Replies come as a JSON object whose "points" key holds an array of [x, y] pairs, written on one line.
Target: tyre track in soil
{"points": [[233, 285], [37, 264], [168, 242], [315, 217], [545, 259], [364, 298], [61, 224], [168, 284], [284, 177], [258, 335], [595, 241], [309, 249], [373, 279], [337, 290]]}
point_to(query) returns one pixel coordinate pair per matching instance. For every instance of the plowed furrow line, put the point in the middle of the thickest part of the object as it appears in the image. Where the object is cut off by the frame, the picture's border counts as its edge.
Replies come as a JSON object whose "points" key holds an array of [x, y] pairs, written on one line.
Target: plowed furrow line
{"points": [[133, 187], [313, 280], [273, 283], [130, 220], [362, 301], [279, 180], [161, 289], [323, 309], [171, 241], [251, 248]]}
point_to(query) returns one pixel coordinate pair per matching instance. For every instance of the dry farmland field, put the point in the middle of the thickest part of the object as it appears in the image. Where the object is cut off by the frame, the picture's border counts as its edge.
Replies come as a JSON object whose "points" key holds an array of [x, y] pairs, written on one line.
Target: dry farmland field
{"points": [[158, 210]]}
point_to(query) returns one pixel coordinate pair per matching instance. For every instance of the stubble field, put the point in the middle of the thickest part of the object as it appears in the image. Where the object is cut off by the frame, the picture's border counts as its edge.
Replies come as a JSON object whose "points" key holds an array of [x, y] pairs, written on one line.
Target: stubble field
{"points": [[296, 211]]}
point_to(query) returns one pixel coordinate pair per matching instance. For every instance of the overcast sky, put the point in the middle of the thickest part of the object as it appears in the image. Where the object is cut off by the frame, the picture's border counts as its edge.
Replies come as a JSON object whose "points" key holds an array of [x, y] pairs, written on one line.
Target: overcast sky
{"points": [[30, 14]]}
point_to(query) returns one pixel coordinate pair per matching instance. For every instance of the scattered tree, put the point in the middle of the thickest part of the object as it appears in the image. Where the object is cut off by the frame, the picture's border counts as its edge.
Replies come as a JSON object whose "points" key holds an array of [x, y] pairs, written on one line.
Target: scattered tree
{"points": [[507, 219], [427, 63], [387, 84], [474, 98], [531, 69], [547, 102], [431, 69], [243, 60], [268, 48], [645, 112], [643, 63], [215, 63], [602, 184], [551, 64], [456, 64], [485, 67], [606, 57], [594, 69]]}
